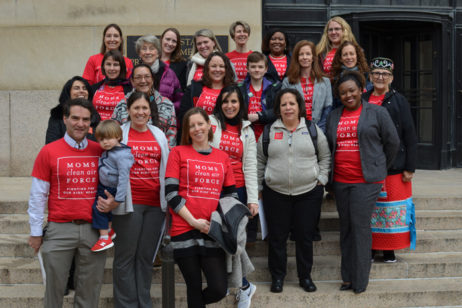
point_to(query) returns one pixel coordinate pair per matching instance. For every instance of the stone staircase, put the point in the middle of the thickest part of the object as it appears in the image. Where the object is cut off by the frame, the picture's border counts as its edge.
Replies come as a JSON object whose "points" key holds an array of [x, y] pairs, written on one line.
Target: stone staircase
{"points": [[429, 276]]}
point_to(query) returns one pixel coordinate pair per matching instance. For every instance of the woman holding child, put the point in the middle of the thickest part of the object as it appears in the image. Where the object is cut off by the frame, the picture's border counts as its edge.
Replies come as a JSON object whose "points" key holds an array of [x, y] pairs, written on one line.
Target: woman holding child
{"points": [[139, 221]]}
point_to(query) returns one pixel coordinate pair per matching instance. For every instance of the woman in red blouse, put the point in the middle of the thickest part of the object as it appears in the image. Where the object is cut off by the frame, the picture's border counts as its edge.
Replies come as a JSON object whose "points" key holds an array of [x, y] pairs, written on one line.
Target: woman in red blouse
{"points": [[218, 73], [240, 32], [113, 88], [112, 40], [364, 142], [305, 75], [336, 31], [275, 46], [196, 176]]}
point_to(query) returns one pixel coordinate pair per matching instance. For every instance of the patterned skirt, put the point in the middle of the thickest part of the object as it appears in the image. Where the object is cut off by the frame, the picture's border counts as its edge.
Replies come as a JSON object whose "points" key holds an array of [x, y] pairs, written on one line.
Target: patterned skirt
{"points": [[393, 218]]}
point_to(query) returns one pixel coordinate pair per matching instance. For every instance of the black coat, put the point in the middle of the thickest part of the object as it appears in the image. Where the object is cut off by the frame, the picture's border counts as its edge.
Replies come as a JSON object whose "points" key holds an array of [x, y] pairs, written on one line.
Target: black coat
{"points": [[272, 74], [56, 128], [400, 112], [180, 70]]}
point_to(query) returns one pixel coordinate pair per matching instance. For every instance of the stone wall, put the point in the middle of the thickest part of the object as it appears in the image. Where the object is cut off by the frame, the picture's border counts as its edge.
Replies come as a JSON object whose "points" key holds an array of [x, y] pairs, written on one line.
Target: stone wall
{"points": [[46, 42]]}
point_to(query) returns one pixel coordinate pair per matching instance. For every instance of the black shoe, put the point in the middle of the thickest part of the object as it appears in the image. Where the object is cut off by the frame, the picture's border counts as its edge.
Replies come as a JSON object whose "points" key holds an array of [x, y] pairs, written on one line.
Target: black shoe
{"points": [[346, 287], [307, 285], [276, 285], [66, 292], [360, 290], [389, 256], [316, 237], [373, 255]]}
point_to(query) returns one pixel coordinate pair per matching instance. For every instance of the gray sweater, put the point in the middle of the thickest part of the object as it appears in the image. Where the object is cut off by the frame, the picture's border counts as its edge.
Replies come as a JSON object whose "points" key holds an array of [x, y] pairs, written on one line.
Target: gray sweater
{"points": [[114, 169]]}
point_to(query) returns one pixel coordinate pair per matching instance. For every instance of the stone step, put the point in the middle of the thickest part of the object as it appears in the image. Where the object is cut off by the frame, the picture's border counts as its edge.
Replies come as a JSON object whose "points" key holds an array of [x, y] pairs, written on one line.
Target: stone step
{"points": [[426, 220], [380, 293], [8, 206], [325, 268], [15, 245]]}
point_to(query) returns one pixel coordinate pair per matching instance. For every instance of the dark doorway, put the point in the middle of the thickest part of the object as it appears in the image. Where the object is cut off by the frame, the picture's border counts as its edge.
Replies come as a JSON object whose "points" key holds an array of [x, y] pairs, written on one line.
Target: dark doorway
{"points": [[415, 49]]}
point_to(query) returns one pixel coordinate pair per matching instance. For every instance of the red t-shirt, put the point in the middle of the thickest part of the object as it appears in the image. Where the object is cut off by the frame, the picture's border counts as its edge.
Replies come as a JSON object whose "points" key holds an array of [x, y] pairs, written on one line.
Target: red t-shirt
{"points": [[106, 98], [93, 72], [167, 63], [207, 99], [202, 178], [144, 174], [307, 87], [327, 64], [280, 63], [376, 100], [73, 178], [198, 73], [347, 157], [255, 107], [239, 59], [232, 145]]}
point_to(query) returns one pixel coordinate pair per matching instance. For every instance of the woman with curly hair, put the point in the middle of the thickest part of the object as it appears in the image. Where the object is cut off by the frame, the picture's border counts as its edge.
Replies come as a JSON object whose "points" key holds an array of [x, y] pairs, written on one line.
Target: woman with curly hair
{"points": [[349, 57]]}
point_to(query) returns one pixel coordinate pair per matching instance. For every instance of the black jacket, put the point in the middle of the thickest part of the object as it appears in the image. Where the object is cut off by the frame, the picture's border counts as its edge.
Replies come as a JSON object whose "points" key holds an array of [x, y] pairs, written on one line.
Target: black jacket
{"points": [[56, 128], [272, 74], [270, 89], [400, 112], [180, 70], [191, 95]]}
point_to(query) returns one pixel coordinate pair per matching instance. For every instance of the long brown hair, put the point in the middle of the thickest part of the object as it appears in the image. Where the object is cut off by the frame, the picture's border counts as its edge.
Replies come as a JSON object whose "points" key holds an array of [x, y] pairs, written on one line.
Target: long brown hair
{"points": [[229, 72], [293, 73], [176, 55], [121, 46], [361, 62]]}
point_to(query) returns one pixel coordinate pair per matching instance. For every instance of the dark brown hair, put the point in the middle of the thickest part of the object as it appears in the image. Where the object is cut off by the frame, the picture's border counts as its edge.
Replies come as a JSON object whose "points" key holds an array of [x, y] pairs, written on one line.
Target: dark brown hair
{"points": [[361, 62], [354, 76], [121, 47], [116, 56], [293, 72], [229, 72], [185, 137], [176, 54], [298, 97], [257, 56], [265, 49]]}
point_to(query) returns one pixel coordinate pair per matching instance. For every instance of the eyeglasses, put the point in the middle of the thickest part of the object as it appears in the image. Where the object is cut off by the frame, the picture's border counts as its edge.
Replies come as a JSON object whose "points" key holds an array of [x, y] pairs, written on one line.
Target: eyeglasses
{"points": [[139, 78], [334, 29], [384, 75]]}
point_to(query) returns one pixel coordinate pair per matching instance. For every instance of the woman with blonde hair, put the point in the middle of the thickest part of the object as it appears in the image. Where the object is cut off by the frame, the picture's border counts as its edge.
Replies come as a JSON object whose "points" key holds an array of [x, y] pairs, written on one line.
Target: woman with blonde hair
{"points": [[336, 31], [204, 43]]}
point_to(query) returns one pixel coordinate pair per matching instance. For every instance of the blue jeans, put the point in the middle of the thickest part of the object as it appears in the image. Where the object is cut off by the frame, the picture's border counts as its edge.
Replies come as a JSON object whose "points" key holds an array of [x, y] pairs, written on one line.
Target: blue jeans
{"points": [[101, 220]]}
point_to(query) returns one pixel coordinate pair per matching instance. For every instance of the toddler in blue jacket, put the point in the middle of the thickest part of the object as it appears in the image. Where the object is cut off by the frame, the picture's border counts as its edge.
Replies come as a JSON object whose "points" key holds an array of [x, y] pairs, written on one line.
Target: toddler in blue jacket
{"points": [[114, 173]]}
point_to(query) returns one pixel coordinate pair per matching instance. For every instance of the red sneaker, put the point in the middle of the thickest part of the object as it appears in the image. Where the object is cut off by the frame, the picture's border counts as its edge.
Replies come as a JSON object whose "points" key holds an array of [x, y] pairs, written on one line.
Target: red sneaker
{"points": [[112, 234], [102, 244]]}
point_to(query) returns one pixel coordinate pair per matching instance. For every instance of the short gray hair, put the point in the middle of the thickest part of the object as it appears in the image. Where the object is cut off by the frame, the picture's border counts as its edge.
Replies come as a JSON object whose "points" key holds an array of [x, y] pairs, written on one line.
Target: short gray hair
{"points": [[150, 39]]}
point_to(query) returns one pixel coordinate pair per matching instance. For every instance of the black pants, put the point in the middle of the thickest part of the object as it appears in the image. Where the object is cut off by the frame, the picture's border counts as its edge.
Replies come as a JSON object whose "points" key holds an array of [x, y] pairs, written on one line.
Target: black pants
{"points": [[355, 203], [280, 210], [214, 268]]}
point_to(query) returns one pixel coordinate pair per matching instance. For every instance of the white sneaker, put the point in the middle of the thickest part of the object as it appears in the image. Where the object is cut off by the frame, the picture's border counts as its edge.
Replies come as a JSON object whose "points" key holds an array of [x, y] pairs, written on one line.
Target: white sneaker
{"points": [[244, 297]]}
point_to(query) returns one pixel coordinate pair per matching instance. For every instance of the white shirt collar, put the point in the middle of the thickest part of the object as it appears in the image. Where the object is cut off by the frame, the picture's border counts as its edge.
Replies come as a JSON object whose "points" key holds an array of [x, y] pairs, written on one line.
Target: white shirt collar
{"points": [[79, 146]]}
